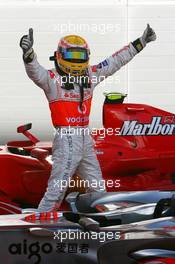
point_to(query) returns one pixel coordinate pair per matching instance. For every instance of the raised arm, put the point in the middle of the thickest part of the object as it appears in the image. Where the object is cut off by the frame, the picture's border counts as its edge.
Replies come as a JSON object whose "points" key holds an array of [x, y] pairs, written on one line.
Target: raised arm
{"points": [[123, 56], [37, 73]]}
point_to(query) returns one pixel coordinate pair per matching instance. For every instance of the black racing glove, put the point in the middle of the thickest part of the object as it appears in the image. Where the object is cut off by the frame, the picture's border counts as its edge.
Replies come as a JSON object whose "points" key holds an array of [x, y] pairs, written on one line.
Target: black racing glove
{"points": [[148, 36], [26, 43]]}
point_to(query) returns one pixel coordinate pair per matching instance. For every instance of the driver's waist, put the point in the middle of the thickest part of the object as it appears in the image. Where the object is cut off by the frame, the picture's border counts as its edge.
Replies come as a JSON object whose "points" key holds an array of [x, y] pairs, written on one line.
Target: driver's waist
{"points": [[66, 113]]}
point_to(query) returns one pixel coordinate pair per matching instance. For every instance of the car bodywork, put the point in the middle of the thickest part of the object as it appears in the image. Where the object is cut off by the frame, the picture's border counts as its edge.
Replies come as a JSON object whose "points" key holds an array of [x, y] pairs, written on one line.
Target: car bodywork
{"points": [[39, 240], [136, 162], [122, 207], [91, 234]]}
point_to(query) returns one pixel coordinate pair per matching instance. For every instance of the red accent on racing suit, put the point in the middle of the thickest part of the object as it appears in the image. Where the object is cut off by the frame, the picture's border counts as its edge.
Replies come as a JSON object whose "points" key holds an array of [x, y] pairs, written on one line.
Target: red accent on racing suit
{"points": [[66, 113]]}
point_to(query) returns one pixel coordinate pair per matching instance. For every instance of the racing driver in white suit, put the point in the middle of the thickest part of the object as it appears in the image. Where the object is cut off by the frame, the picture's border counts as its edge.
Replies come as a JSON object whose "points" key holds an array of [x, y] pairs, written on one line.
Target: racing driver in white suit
{"points": [[69, 89]]}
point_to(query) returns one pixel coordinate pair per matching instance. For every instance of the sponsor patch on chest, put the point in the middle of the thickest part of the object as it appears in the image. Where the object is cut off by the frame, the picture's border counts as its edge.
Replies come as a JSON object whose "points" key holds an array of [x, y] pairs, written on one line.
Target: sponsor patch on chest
{"points": [[76, 94]]}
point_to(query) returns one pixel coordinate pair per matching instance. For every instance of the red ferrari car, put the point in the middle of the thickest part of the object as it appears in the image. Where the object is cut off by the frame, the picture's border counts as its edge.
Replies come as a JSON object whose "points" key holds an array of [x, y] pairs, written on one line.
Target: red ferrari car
{"points": [[137, 151]]}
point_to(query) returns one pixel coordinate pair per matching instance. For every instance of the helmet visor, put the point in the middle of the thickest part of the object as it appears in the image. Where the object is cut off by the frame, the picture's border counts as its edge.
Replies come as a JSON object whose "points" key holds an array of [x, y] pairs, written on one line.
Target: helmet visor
{"points": [[75, 55]]}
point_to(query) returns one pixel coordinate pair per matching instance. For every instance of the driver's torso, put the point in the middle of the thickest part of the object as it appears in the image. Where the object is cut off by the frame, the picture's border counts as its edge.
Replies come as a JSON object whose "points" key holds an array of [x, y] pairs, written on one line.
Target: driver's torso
{"points": [[65, 104]]}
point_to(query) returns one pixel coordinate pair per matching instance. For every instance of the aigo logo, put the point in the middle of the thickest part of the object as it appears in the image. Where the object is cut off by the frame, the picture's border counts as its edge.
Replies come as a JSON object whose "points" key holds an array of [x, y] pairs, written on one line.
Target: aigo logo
{"points": [[31, 251]]}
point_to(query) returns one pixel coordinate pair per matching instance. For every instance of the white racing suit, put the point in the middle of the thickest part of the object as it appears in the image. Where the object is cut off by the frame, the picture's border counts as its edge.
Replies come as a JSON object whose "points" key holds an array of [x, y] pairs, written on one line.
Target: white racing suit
{"points": [[72, 152]]}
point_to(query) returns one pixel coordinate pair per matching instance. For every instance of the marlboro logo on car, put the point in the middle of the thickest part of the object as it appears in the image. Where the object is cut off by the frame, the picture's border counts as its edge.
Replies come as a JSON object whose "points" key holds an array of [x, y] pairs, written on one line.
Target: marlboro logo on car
{"points": [[155, 128]]}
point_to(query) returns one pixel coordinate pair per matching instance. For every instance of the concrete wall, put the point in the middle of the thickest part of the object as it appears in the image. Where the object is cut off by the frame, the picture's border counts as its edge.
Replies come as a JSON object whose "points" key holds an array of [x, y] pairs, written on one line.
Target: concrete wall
{"points": [[152, 74], [107, 26]]}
